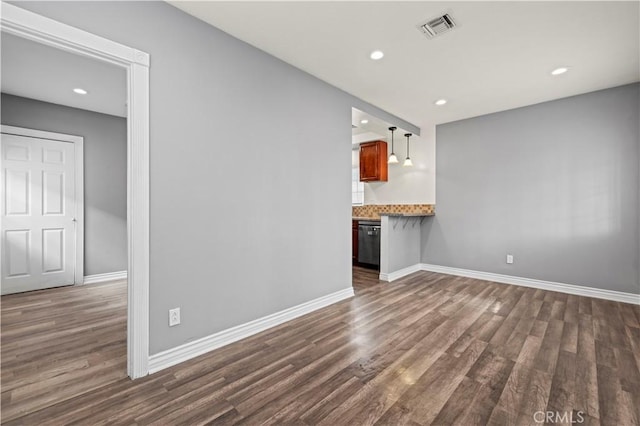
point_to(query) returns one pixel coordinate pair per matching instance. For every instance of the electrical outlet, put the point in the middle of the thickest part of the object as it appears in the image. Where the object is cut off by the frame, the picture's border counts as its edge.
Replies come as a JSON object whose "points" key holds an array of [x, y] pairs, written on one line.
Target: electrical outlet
{"points": [[174, 317], [509, 258]]}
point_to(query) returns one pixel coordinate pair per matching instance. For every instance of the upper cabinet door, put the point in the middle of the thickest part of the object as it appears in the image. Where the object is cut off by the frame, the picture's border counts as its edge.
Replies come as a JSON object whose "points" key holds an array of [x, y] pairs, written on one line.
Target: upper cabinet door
{"points": [[373, 161]]}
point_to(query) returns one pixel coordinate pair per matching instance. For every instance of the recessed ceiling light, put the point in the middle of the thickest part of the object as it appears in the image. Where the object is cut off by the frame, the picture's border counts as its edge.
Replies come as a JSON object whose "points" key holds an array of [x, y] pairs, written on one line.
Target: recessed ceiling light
{"points": [[559, 71], [80, 91], [364, 121], [441, 102], [376, 54]]}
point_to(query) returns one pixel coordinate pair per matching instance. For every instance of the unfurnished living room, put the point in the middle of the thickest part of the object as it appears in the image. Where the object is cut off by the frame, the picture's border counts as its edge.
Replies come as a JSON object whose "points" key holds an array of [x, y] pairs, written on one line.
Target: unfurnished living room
{"points": [[320, 213]]}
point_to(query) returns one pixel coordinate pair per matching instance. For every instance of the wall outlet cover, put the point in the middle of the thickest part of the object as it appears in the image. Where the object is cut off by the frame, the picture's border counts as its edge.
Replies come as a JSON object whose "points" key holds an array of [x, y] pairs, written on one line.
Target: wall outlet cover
{"points": [[174, 317]]}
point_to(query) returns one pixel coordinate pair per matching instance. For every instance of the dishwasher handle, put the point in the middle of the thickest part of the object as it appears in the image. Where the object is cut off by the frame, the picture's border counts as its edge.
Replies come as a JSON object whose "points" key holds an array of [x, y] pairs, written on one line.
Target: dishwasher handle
{"points": [[370, 230]]}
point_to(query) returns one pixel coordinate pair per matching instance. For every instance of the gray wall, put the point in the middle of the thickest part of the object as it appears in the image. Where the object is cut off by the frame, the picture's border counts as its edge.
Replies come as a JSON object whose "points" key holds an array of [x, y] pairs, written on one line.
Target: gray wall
{"points": [[400, 243], [105, 173], [250, 169], [555, 184]]}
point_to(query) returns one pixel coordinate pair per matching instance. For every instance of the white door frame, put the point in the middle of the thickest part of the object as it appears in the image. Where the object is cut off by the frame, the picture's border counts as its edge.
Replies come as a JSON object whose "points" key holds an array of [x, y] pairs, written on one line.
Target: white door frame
{"points": [[78, 153], [29, 25]]}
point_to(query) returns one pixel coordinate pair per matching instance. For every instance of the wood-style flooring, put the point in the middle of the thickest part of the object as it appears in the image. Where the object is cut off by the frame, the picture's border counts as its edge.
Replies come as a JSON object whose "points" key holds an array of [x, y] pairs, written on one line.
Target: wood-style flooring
{"points": [[59, 343], [426, 349]]}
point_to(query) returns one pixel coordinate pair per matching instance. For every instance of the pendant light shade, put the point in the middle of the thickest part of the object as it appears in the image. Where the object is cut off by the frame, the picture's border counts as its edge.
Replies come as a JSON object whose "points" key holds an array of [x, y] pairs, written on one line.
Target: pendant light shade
{"points": [[392, 157], [407, 161]]}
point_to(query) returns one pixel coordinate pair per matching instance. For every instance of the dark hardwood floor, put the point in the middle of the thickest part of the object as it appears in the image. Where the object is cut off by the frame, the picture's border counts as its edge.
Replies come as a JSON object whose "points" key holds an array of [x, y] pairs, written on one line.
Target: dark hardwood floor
{"points": [[427, 349], [60, 343]]}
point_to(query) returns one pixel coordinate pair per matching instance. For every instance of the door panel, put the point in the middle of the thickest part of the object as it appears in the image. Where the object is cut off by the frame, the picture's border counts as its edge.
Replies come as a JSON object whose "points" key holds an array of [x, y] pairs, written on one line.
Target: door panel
{"points": [[52, 156], [18, 183], [53, 193], [53, 250], [15, 152], [38, 226], [17, 253]]}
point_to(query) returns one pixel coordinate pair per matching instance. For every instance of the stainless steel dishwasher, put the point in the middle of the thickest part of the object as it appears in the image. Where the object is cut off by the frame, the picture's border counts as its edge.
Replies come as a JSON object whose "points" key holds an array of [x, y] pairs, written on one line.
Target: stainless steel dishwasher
{"points": [[369, 243]]}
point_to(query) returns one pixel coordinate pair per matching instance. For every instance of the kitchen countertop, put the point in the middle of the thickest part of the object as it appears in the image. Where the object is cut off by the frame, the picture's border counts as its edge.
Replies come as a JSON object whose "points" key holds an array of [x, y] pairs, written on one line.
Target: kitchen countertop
{"points": [[377, 219], [407, 214]]}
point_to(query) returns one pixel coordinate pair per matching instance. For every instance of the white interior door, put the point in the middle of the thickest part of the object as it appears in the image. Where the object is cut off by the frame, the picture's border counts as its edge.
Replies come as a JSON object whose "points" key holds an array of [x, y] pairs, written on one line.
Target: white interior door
{"points": [[38, 213]]}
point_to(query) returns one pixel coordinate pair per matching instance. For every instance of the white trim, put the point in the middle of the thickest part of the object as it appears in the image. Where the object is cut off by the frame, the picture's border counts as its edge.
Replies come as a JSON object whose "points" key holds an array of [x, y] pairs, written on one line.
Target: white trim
{"points": [[395, 275], [617, 296], [40, 134], [38, 28], [198, 347], [138, 221], [32, 26], [109, 276], [78, 153], [79, 163]]}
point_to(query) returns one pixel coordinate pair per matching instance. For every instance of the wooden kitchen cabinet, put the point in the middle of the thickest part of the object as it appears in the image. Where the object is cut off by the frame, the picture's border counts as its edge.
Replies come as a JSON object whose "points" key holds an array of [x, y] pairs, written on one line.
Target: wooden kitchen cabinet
{"points": [[354, 241], [373, 161]]}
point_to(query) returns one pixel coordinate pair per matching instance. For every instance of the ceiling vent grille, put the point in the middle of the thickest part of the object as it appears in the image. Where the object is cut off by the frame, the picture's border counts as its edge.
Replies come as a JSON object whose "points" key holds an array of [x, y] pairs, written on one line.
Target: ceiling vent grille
{"points": [[435, 27]]}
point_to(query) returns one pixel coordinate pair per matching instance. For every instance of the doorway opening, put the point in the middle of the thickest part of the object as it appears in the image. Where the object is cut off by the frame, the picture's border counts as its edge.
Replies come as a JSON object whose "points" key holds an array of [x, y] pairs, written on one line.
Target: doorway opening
{"points": [[18, 22], [365, 229]]}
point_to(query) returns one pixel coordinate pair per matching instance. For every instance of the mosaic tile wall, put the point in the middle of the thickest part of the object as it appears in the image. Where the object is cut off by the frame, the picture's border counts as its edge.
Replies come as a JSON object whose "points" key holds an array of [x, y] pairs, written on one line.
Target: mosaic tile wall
{"points": [[374, 210]]}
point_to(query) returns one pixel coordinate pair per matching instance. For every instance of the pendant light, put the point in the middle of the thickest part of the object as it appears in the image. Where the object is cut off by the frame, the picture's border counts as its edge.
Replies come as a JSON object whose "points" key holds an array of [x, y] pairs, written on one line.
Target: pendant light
{"points": [[407, 161], [392, 158]]}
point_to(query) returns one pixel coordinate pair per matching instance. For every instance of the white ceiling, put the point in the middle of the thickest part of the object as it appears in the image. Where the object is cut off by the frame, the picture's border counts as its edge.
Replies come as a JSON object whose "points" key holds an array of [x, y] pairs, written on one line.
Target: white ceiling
{"points": [[373, 129], [36, 71], [499, 57]]}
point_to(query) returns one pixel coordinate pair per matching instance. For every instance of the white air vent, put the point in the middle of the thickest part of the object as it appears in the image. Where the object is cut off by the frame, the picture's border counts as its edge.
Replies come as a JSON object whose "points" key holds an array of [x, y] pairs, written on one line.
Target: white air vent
{"points": [[436, 26]]}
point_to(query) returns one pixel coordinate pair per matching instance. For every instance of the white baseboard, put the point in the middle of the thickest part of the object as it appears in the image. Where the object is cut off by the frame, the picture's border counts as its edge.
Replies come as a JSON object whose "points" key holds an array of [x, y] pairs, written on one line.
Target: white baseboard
{"points": [[617, 296], [198, 347], [395, 275], [109, 276]]}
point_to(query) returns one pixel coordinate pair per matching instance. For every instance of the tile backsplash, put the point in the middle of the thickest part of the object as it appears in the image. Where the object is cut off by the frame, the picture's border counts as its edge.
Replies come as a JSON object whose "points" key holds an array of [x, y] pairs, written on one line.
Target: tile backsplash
{"points": [[374, 210]]}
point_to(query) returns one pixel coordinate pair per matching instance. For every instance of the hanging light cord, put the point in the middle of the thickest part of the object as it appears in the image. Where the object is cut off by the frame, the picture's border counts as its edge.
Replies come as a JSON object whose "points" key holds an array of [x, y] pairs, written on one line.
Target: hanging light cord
{"points": [[393, 129], [408, 135]]}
